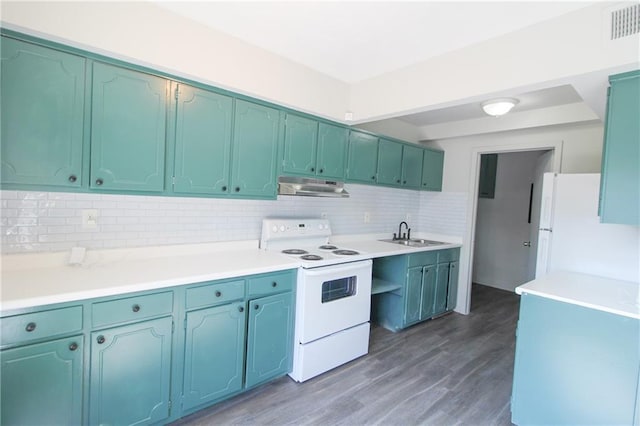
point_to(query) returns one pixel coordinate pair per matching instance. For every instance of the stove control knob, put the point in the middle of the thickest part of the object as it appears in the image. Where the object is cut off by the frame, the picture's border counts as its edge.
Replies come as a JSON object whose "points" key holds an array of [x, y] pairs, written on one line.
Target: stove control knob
{"points": [[274, 228], [282, 228]]}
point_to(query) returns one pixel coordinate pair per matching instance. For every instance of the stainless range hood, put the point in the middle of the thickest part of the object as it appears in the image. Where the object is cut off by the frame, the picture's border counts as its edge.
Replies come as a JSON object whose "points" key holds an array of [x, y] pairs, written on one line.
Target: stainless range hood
{"points": [[309, 187]]}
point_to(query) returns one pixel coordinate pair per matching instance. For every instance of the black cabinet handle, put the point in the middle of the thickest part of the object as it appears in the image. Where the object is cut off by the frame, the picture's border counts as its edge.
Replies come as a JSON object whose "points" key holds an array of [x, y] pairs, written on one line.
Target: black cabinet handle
{"points": [[274, 284], [240, 309], [313, 169], [73, 346], [256, 307], [72, 178], [135, 308], [30, 327], [100, 339], [218, 293], [224, 189], [237, 189], [404, 182], [321, 170], [398, 181], [99, 182], [373, 177], [424, 183]]}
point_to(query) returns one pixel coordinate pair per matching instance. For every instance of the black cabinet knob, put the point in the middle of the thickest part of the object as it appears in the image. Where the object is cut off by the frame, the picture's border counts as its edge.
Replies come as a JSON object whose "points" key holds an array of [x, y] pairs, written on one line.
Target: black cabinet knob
{"points": [[100, 339], [99, 182], [135, 308], [224, 189], [73, 346], [256, 307], [240, 309], [30, 327], [72, 178], [321, 170], [274, 284], [424, 183], [218, 293], [373, 177], [237, 189], [404, 182], [313, 169], [398, 181]]}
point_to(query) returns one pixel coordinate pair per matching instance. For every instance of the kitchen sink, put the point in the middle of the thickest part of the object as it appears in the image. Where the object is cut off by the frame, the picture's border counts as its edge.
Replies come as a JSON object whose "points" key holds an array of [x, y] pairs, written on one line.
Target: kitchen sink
{"points": [[414, 242]]}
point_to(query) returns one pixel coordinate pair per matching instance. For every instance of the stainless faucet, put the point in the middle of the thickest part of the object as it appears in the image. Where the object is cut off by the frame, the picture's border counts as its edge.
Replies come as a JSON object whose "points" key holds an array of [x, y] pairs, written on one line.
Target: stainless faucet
{"points": [[401, 236]]}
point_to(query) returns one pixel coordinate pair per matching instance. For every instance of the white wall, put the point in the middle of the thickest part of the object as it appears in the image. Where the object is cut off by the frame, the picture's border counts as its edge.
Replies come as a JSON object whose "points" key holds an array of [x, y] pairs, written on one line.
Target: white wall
{"points": [[394, 128], [500, 260], [549, 52], [145, 34]]}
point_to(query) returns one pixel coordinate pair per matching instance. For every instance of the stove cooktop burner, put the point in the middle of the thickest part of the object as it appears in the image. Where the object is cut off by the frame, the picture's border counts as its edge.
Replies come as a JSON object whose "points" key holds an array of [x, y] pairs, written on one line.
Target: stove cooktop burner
{"points": [[294, 251], [327, 247], [343, 252], [311, 257]]}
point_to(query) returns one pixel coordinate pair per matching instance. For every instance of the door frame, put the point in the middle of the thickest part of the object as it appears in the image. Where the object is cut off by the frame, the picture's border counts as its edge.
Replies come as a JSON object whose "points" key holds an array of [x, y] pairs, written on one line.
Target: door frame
{"points": [[466, 254]]}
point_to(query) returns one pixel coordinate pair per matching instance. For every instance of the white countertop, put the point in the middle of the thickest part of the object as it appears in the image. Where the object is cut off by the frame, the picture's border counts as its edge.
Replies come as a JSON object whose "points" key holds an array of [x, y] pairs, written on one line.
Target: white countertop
{"points": [[30, 280], [604, 294]]}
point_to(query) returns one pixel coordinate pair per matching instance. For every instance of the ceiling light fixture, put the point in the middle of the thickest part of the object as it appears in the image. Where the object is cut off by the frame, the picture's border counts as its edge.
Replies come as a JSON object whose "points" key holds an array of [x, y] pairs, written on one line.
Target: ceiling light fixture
{"points": [[498, 107]]}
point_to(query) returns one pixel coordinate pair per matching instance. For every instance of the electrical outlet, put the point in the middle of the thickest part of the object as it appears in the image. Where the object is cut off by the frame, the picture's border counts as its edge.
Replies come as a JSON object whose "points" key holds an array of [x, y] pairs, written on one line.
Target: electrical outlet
{"points": [[367, 217], [90, 218], [323, 215]]}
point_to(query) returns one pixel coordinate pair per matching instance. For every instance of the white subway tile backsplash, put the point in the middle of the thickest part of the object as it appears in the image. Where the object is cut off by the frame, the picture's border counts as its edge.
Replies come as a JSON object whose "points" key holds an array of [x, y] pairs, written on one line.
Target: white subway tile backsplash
{"points": [[49, 221]]}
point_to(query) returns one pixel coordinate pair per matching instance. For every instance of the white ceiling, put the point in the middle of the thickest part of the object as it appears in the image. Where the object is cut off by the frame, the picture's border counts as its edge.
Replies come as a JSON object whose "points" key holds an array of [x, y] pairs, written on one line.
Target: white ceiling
{"points": [[356, 40]]}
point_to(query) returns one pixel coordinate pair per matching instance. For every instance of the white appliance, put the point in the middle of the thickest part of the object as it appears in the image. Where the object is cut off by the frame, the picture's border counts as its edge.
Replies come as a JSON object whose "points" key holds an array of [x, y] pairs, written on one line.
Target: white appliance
{"points": [[333, 295], [571, 237]]}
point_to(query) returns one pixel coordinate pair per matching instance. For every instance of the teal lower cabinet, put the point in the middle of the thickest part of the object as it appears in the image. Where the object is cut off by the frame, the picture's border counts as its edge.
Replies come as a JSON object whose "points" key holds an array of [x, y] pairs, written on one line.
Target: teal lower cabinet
{"points": [[130, 373], [574, 365], [145, 358], [214, 354], [42, 383], [269, 341], [428, 287]]}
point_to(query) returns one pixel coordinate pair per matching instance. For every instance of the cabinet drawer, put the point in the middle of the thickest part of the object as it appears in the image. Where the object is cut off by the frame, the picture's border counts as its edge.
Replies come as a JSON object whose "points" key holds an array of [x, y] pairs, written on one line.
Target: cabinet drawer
{"points": [[449, 255], [423, 258], [131, 309], [38, 325], [215, 293], [270, 284]]}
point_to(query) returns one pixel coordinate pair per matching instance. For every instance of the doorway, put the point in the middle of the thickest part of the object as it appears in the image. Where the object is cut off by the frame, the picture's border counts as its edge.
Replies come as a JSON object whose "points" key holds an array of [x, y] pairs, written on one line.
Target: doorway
{"points": [[507, 216]]}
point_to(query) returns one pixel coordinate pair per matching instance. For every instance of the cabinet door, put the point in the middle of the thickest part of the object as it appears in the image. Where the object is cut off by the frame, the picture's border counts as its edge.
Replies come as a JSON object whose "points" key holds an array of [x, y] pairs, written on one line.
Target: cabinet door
{"points": [[442, 285], [214, 354], [332, 151], [452, 293], [620, 184], [300, 142], [255, 150], [42, 115], [389, 163], [487, 180], [128, 118], [203, 141], [42, 383], [270, 339], [412, 158], [130, 373], [432, 167], [428, 291], [363, 157], [412, 296]]}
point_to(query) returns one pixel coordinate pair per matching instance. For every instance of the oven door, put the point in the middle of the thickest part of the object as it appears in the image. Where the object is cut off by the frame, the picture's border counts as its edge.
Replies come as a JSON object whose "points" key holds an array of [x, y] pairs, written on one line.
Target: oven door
{"points": [[332, 298]]}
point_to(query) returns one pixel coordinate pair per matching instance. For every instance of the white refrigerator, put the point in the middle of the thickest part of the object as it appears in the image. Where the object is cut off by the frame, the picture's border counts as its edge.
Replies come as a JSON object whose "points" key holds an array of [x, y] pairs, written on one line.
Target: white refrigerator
{"points": [[571, 237]]}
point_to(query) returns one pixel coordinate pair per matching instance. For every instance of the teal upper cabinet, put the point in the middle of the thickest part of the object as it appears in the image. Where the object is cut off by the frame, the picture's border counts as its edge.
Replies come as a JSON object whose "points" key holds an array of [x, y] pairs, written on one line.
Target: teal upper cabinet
{"points": [[203, 141], [42, 98], [620, 184], [389, 163], [432, 167], [332, 151], [300, 145], [255, 150], [314, 149], [363, 157], [128, 119], [412, 158], [488, 173]]}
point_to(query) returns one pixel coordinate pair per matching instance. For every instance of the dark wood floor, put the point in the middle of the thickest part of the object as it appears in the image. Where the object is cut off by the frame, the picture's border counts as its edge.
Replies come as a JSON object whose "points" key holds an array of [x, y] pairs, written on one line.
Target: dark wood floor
{"points": [[455, 370]]}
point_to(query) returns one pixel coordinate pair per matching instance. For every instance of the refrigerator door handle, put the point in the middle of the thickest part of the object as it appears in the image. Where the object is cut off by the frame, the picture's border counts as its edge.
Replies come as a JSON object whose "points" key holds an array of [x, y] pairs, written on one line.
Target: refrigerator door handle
{"points": [[546, 229]]}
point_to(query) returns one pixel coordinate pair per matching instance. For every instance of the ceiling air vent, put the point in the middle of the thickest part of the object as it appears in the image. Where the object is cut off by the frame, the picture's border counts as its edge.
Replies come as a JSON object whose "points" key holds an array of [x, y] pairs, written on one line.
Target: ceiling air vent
{"points": [[625, 22]]}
